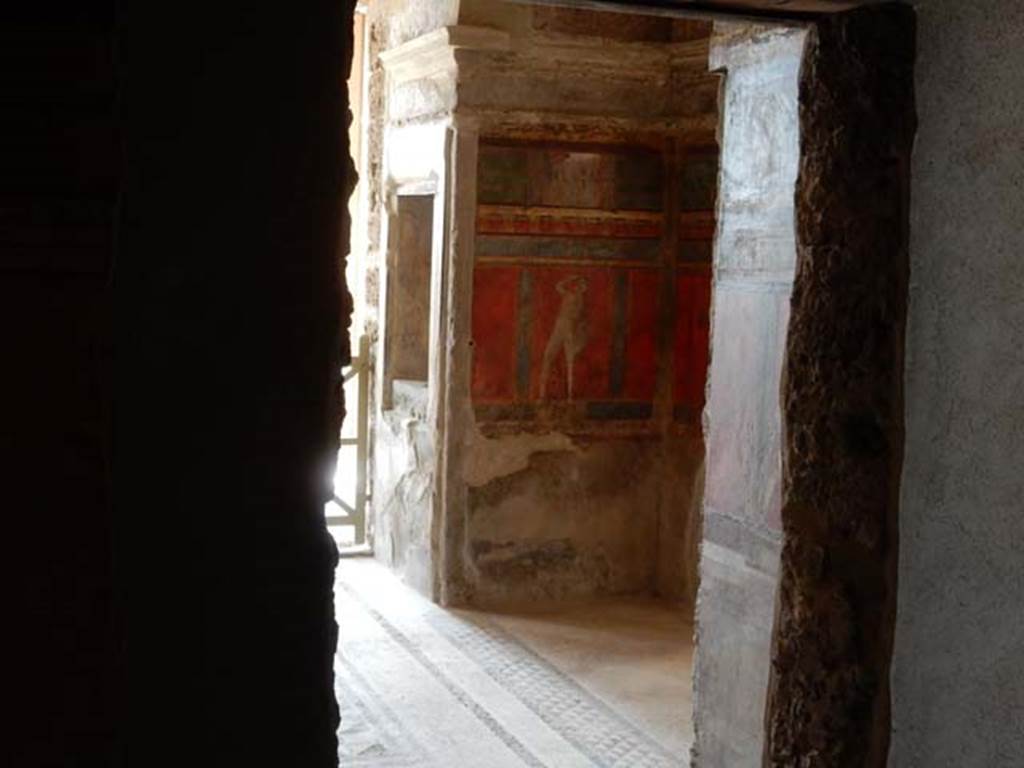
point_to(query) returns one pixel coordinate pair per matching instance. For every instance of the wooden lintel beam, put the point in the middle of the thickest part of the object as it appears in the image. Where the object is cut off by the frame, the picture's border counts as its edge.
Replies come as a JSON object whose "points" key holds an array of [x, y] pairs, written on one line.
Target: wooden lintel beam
{"points": [[697, 9]]}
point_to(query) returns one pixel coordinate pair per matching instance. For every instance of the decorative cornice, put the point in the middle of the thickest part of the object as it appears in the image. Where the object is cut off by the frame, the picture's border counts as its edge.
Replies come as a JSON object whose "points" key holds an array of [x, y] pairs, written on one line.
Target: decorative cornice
{"points": [[434, 53]]}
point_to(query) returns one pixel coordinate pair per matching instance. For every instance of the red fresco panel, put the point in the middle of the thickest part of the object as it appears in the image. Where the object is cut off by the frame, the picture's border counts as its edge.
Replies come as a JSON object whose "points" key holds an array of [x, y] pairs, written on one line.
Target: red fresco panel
{"points": [[578, 299], [495, 299], [593, 366], [693, 301], [641, 372]]}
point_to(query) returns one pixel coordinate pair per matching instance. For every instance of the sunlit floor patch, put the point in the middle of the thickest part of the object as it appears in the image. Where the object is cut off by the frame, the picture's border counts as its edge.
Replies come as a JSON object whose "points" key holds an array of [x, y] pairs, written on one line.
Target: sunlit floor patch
{"points": [[602, 684]]}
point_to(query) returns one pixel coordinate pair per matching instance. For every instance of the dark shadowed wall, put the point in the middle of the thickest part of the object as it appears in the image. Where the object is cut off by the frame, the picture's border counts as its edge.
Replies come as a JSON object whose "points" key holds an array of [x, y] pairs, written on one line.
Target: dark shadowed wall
{"points": [[230, 306], [186, 620], [59, 169]]}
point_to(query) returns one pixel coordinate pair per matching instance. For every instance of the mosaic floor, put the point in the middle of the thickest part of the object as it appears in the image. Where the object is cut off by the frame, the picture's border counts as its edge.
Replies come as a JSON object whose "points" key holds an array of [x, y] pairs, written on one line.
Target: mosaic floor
{"points": [[598, 685]]}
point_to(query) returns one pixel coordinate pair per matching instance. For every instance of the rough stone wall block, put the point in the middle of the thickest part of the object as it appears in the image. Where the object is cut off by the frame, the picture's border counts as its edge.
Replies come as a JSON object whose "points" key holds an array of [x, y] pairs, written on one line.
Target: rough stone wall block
{"points": [[842, 395]]}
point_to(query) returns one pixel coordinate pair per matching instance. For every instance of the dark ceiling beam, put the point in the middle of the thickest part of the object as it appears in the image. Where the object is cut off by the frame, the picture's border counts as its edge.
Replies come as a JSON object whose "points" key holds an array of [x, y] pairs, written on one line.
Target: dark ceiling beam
{"points": [[692, 9]]}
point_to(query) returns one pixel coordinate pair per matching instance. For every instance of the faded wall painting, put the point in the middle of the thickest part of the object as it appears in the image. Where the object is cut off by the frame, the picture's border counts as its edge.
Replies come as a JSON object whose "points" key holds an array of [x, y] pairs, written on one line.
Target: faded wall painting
{"points": [[407, 338], [586, 303]]}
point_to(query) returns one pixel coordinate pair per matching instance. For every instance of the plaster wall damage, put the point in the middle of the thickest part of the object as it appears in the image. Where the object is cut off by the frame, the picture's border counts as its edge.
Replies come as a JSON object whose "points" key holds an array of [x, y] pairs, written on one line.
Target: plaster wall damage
{"points": [[754, 262], [555, 449], [406, 424]]}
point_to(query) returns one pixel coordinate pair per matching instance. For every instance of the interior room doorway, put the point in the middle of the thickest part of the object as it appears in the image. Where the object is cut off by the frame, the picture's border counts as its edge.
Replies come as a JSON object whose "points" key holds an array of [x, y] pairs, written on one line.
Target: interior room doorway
{"points": [[540, 342]]}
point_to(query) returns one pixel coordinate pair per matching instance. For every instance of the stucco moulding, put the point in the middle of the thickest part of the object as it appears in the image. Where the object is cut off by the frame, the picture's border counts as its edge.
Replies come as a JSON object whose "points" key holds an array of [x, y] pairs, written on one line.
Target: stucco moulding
{"points": [[434, 53]]}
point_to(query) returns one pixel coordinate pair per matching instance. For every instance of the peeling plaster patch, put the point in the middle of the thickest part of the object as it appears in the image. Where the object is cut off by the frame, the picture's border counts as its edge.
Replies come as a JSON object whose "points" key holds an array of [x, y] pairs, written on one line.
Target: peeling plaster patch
{"points": [[543, 570], [488, 459], [403, 496], [524, 559]]}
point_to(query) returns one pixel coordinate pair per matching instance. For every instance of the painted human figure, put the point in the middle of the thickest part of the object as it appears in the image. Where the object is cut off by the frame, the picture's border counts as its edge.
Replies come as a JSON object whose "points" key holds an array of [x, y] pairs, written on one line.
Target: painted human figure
{"points": [[569, 335]]}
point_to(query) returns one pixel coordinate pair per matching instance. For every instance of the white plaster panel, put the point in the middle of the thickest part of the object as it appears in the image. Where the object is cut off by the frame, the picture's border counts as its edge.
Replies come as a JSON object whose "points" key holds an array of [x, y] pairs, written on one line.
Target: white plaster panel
{"points": [[755, 256], [415, 152], [744, 436]]}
